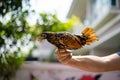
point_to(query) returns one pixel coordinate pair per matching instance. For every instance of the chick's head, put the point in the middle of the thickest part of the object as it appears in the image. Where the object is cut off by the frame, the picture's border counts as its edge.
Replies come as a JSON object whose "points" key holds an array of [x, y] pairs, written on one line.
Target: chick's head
{"points": [[42, 36]]}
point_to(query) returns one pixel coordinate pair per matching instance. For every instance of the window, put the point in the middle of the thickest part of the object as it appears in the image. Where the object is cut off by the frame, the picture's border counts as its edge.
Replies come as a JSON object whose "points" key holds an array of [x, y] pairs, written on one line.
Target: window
{"points": [[99, 8], [113, 2]]}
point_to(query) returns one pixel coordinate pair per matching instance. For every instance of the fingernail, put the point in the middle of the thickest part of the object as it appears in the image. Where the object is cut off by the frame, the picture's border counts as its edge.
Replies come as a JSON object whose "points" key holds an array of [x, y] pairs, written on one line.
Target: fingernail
{"points": [[62, 50]]}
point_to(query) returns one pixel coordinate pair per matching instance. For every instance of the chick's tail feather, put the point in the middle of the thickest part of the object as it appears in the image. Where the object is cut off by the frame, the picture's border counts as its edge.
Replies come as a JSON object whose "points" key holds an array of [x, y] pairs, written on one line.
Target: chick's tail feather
{"points": [[89, 35]]}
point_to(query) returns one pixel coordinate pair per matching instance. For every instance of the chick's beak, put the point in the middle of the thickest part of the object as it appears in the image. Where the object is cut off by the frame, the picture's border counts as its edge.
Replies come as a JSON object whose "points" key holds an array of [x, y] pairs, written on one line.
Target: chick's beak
{"points": [[40, 38]]}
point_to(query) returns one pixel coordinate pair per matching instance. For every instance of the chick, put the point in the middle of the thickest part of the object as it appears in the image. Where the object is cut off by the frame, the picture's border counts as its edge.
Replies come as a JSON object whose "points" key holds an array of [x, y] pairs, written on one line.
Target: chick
{"points": [[65, 40]]}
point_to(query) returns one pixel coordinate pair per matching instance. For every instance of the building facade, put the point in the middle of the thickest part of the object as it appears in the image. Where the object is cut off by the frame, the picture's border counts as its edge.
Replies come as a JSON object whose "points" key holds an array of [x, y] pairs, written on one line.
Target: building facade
{"points": [[104, 17]]}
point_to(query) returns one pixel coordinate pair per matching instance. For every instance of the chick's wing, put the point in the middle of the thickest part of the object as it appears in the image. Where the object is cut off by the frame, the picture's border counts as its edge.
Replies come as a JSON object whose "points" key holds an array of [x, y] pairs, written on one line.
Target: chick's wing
{"points": [[70, 41]]}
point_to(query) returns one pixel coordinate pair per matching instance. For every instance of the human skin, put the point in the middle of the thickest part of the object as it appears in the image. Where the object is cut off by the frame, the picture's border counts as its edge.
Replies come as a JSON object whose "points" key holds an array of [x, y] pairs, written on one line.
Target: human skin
{"points": [[90, 63]]}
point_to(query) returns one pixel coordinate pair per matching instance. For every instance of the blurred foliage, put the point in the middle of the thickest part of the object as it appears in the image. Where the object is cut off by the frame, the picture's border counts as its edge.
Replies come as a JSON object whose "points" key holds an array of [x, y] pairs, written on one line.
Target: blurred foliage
{"points": [[50, 22], [9, 64], [13, 36], [12, 32], [11, 5]]}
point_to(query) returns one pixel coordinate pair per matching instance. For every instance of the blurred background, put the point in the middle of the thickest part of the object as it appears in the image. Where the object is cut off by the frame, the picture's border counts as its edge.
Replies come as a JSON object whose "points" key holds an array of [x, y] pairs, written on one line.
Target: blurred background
{"points": [[22, 57]]}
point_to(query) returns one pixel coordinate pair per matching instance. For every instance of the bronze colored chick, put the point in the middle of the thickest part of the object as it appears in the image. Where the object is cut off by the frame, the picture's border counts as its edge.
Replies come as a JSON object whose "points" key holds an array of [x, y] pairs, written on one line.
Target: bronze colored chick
{"points": [[64, 40]]}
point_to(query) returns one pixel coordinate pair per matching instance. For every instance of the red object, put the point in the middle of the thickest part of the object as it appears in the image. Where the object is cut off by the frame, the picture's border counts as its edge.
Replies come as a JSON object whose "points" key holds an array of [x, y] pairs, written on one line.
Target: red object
{"points": [[32, 77], [87, 77]]}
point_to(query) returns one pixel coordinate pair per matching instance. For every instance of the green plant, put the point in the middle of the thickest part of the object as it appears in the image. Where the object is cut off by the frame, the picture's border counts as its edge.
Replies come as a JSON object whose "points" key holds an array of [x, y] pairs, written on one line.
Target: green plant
{"points": [[11, 5], [13, 32], [9, 64], [12, 37], [50, 22]]}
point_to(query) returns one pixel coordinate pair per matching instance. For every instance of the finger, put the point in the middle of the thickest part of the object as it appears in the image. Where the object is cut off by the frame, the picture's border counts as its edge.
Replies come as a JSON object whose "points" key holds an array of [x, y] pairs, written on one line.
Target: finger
{"points": [[59, 51], [62, 54], [62, 50], [65, 60]]}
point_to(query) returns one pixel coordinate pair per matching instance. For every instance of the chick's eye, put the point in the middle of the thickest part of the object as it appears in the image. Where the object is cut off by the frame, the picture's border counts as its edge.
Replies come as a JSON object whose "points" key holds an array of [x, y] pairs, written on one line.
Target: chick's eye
{"points": [[43, 35]]}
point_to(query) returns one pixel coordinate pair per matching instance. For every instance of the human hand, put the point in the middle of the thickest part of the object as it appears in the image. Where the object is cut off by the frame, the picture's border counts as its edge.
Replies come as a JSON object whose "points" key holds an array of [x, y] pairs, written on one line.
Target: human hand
{"points": [[63, 56]]}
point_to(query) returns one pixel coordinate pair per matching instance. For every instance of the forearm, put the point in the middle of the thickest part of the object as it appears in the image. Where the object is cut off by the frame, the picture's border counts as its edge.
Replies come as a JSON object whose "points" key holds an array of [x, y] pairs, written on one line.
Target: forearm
{"points": [[88, 63]]}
